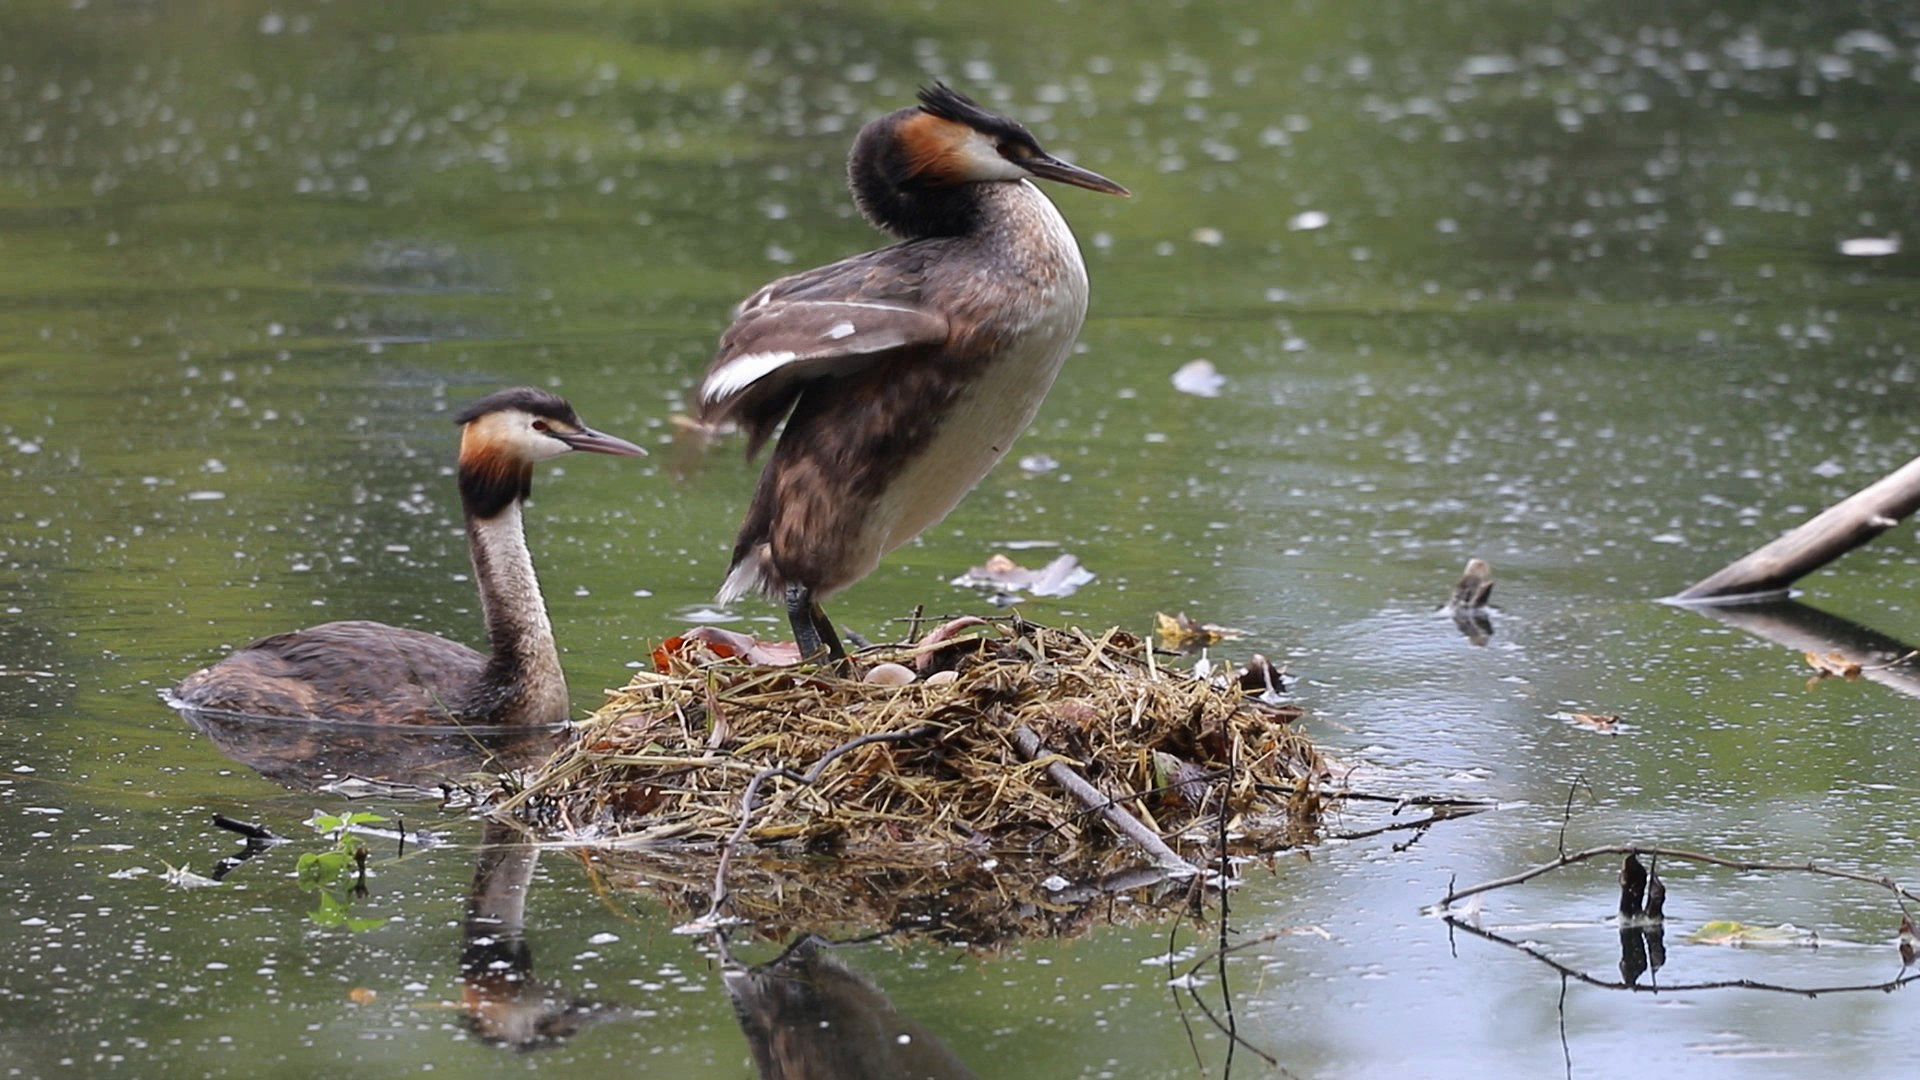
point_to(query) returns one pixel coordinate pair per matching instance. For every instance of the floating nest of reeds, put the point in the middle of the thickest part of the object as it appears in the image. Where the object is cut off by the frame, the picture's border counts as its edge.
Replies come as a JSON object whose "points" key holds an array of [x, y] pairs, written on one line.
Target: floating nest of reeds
{"points": [[947, 762]]}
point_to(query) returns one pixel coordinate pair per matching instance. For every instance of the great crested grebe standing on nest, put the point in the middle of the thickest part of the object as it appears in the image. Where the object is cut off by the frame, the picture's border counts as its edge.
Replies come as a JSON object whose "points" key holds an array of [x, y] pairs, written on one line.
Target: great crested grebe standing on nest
{"points": [[904, 373], [369, 672]]}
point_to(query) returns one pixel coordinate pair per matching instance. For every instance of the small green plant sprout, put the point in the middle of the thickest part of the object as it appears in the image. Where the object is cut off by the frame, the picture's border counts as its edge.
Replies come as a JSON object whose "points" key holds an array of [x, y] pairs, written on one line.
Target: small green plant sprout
{"points": [[337, 877]]}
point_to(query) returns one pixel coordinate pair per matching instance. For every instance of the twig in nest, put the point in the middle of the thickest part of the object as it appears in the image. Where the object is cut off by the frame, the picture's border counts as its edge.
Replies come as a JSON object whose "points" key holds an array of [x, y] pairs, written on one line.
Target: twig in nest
{"points": [[1093, 798], [1132, 796], [749, 800]]}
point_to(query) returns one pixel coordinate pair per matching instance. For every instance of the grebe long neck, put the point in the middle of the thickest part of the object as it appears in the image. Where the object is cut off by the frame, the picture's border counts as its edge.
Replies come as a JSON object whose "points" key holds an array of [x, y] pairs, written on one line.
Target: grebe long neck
{"points": [[523, 681], [497, 903]]}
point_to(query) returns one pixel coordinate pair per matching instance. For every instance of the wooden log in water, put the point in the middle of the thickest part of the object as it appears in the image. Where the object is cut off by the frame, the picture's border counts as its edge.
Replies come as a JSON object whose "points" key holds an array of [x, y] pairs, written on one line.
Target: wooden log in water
{"points": [[1847, 524], [1794, 625]]}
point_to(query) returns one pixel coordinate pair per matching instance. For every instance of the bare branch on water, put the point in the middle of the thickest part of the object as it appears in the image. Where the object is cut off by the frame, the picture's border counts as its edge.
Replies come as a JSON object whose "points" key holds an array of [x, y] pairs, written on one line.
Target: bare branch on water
{"points": [[1900, 892], [1669, 988]]}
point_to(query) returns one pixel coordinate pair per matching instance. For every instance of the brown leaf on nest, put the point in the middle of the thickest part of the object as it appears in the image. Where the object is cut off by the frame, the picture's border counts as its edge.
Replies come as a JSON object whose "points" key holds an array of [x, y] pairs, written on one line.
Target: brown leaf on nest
{"points": [[1834, 665], [1184, 633], [705, 644]]}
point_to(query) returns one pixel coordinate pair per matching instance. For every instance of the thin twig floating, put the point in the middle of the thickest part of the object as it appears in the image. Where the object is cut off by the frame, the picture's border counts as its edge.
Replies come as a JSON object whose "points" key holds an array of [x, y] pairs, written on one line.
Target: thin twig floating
{"points": [[248, 829], [1641, 922], [1189, 981]]}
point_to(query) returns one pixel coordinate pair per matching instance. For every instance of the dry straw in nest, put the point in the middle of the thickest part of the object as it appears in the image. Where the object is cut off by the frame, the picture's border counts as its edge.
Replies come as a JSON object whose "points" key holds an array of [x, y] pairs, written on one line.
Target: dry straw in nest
{"points": [[668, 759]]}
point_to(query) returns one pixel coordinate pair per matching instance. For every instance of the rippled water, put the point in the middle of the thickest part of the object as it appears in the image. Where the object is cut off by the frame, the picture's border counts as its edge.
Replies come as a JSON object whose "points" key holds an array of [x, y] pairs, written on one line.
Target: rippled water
{"points": [[1604, 294]]}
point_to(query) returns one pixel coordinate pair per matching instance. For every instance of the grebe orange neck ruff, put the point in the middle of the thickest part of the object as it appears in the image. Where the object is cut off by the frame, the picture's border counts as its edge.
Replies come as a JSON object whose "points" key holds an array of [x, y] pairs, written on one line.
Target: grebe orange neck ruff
{"points": [[903, 374]]}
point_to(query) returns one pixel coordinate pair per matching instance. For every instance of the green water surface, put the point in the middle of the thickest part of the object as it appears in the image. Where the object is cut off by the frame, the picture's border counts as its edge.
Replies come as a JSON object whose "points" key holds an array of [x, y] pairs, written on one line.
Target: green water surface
{"points": [[1565, 286]]}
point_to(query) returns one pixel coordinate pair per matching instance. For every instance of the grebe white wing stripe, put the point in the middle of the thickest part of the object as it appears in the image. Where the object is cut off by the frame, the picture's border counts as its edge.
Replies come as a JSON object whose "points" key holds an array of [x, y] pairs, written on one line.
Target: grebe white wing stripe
{"points": [[740, 372], [805, 339]]}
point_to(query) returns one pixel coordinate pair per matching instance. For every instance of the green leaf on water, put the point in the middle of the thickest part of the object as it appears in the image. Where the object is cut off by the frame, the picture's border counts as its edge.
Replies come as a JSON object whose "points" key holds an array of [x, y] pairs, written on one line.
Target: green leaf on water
{"points": [[1737, 934], [332, 823]]}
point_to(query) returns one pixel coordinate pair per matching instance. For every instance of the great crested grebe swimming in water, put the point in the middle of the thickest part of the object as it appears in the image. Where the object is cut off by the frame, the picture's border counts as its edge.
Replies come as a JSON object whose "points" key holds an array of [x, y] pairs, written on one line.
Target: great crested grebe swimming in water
{"points": [[369, 672], [907, 371]]}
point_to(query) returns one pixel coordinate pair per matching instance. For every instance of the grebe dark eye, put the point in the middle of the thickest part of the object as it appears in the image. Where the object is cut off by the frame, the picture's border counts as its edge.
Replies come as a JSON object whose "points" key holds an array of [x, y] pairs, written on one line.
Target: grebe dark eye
{"points": [[540, 425]]}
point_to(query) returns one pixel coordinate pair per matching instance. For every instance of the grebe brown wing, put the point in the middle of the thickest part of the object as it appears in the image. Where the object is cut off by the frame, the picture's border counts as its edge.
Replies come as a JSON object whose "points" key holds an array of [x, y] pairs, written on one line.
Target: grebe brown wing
{"points": [[356, 672], [895, 274], [772, 352], [829, 321]]}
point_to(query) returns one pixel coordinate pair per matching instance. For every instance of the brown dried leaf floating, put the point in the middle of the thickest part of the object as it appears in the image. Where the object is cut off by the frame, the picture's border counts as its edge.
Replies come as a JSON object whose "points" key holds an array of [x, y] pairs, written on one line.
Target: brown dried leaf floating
{"points": [[1605, 723], [1833, 665], [1184, 633]]}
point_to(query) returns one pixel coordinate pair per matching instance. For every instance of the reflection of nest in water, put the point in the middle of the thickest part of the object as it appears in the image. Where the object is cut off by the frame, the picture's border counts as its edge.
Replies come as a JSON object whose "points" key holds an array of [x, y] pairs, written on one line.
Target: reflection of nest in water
{"points": [[971, 901], [667, 760]]}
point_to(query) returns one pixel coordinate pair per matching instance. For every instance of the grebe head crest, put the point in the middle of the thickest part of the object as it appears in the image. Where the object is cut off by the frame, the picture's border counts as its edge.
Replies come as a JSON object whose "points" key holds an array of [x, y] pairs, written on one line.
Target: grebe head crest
{"points": [[508, 431], [910, 169], [950, 139]]}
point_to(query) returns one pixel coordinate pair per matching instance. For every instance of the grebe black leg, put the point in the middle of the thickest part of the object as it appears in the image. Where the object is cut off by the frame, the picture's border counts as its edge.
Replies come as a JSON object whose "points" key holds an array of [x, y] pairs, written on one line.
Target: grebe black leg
{"points": [[825, 630], [811, 630]]}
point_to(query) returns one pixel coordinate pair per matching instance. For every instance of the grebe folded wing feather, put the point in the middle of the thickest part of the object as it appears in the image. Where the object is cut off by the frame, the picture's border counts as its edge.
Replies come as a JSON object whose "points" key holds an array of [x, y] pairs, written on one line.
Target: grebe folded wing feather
{"points": [[772, 351]]}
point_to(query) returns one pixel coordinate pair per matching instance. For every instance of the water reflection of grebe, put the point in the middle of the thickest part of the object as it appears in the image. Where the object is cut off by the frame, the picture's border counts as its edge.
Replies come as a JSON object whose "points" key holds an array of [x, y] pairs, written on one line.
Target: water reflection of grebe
{"points": [[807, 1016], [369, 672], [416, 762], [501, 1001]]}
